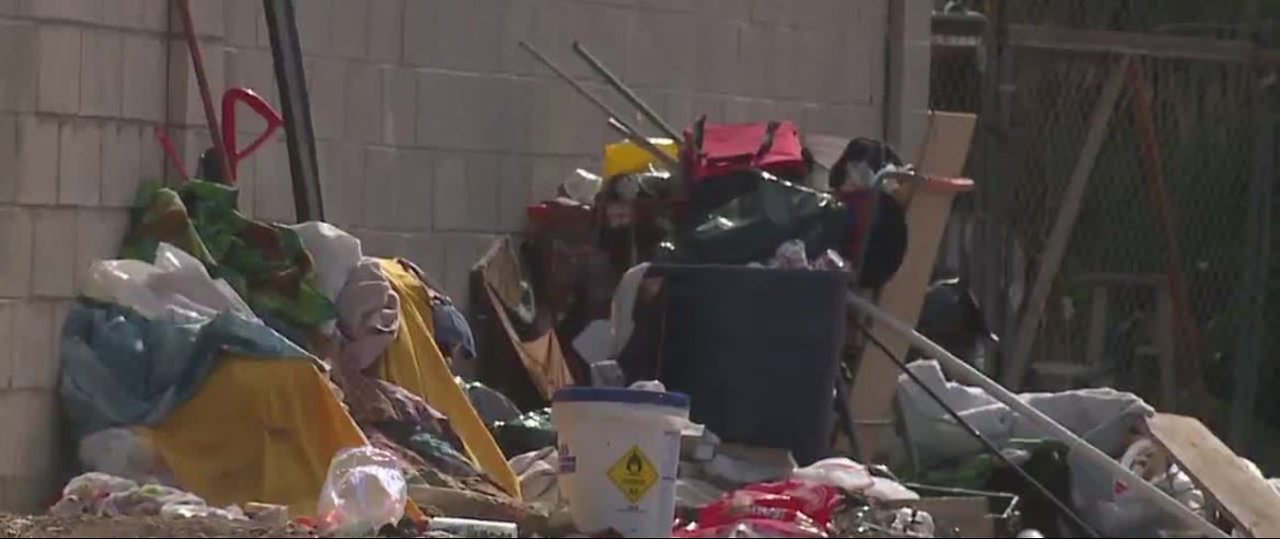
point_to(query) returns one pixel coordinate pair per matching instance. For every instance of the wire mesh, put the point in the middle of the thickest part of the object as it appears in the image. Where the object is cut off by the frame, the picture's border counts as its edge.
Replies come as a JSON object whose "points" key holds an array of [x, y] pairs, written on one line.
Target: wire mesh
{"points": [[1023, 157]]}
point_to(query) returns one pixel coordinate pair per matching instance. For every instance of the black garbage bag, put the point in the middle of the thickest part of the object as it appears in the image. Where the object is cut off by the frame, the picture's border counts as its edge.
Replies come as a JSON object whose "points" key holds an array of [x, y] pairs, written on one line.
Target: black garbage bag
{"points": [[744, 217], [529, 432]]}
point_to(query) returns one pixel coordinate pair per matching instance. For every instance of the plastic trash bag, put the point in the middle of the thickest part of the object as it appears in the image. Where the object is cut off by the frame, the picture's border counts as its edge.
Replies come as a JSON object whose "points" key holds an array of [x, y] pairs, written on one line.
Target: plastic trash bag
{"points": [[123, 453], [364, 491], [491, 404], [525, 434], [86, 493], [840, 472], [177, 287], [744, 217]]}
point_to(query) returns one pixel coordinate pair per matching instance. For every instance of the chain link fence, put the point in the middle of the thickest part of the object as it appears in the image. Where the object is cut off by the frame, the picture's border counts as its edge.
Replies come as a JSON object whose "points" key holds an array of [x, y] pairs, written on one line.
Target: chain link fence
{"points": [[1171, 193]]}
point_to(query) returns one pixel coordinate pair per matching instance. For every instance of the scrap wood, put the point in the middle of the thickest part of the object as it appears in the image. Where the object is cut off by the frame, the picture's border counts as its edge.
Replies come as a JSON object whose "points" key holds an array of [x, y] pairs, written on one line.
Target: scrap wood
{"points": [[1056, 246], [1246, 499], [942, 160]]}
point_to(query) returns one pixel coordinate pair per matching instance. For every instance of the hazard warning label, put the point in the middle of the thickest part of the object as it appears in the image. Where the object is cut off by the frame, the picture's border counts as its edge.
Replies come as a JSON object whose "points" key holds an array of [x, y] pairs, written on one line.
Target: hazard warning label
{"points": [[634, 475]]}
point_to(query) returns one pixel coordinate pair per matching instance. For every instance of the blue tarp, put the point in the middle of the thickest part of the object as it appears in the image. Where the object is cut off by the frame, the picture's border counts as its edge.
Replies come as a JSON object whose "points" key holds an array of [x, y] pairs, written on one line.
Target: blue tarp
{"points": [[122, 369]]}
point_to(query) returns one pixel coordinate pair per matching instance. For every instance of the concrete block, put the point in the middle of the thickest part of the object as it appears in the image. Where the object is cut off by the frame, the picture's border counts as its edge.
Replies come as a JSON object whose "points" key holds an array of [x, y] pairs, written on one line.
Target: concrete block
{"points": [[757, 58], [560, 123], [518, 25], [121, 164], [53, 254], [273, 191], [208, 16], [515, 190], [35, 359], [461, 111], [781, 13], [427, 251], [848, 121], [101, 73], [547, 175], [80, 163], [184, 92], [18, 64], [461, 252], [8, 320], [456, 35], [99, 234], [241, 19], [58, 84], [8, 158], [604, 29], [828, 15], [399, 106], [846, 75], [381, 168], [71, 10], [675, 6], [784, 68], [415, 191], [342, 184], [378, 243], [718, 64], [364, 105], [151, 165], [144, 86], [16, 231], [674, 106], [662, 49], [326, 79], [385, 30], [724, 10], [466, 195], [37, 170], [349, 27], [315, 26], [710, 105]]}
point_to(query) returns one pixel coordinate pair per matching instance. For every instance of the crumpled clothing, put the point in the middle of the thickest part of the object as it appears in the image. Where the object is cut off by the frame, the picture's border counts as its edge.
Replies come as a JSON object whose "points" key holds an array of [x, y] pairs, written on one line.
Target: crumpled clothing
{"points": [[121, 369], [450, 326], [265, 263], [371, 400], [368, 315]]}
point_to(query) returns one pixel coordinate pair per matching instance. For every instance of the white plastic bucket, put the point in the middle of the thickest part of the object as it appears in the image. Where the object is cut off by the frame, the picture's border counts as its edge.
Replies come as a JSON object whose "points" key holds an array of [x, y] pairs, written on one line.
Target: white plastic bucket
{"points": [[619, 452]]}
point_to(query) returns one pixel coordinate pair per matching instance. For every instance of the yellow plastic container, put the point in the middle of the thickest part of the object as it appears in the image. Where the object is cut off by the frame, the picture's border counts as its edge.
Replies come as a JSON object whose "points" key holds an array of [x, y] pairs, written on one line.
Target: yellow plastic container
{"points": [[628, 158]]}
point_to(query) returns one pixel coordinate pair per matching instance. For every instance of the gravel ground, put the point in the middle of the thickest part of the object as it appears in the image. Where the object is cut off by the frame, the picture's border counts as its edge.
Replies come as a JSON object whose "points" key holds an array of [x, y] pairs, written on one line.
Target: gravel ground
{"points": [[14, 526]]}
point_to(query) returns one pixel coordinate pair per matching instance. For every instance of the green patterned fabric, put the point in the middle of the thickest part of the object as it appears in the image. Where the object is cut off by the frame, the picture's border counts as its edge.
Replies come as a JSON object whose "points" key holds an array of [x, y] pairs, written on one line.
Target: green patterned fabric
{"points": [[265, 262]]}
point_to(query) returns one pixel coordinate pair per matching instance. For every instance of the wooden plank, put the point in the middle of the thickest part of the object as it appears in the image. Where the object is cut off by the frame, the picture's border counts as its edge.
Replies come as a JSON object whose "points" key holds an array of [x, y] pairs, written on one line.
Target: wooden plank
{"points": [[1056, 247], [942, 159], [1131, 43], [1246, 499]]}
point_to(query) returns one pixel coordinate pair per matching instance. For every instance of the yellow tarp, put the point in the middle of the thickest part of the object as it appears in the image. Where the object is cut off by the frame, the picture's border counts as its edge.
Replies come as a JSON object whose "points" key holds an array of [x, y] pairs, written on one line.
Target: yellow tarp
{"points": [[258, 431], [414, 362], [628, 158]]}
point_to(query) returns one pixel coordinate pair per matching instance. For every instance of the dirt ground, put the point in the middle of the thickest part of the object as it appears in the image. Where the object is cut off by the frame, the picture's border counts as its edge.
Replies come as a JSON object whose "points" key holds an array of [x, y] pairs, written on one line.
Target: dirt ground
{"points": [[14, 527]]}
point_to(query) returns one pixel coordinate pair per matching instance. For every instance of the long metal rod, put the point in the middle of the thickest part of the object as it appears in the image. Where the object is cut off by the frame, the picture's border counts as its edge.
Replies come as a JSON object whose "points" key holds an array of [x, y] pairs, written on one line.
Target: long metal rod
{"points": [[615, 120], [972, 376], [202, 79], [626, 91], [295, 104]]}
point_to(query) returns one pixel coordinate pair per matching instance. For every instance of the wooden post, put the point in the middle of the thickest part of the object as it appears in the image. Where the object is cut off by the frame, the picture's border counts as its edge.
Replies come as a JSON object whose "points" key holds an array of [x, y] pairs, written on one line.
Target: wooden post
{"points": [[943, 157], [1056, 247]]}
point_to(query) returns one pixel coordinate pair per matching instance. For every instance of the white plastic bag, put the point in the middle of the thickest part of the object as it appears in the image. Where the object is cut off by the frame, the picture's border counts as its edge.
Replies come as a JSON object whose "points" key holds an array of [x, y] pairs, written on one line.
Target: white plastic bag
{"points": [[365, 490], [841, 473], [177, 287], [124, 453]]}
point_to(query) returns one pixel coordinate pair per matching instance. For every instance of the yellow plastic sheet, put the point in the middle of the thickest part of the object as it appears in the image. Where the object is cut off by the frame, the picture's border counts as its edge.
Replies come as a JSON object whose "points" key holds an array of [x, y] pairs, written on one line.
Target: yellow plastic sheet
{"points": [[414, 362], [258, 431]]}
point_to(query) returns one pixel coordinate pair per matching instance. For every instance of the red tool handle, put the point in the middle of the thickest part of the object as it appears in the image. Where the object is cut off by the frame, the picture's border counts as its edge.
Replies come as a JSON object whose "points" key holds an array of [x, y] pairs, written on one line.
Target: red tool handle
{"points": [[262, 108]]}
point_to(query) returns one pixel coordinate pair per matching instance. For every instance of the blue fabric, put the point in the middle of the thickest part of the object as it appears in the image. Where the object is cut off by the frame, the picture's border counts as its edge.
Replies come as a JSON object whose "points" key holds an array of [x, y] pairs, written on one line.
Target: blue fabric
{"points": [[451, 328], [121, 369]]}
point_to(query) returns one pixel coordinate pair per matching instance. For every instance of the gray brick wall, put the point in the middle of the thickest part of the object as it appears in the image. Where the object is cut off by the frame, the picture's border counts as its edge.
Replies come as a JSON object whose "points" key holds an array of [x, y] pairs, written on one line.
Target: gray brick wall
{"points": [[435, 129]]}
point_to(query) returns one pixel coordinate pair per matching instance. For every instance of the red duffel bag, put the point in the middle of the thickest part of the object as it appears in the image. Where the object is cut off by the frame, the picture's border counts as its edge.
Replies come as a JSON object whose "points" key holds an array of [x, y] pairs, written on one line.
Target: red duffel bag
{"points": [[719, 149]]}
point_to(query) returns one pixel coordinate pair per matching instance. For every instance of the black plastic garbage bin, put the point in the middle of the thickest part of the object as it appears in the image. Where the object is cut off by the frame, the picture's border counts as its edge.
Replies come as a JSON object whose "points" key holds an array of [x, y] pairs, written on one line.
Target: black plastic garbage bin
{"points": [[756, 349]]}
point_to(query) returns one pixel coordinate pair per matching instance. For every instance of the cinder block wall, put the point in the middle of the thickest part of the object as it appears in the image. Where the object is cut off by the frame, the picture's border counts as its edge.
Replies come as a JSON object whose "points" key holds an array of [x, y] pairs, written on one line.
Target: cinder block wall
{"points": [[435, 129]]}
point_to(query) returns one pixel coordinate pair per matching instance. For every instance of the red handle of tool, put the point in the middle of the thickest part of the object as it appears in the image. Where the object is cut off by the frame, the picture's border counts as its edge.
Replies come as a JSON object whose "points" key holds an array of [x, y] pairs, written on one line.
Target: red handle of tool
{"points": [[259, 106]]}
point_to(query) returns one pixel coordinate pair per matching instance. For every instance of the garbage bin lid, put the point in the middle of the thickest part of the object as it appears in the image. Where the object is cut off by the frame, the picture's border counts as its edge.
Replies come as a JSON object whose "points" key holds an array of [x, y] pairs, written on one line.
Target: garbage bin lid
{"points": [[620, 395]]}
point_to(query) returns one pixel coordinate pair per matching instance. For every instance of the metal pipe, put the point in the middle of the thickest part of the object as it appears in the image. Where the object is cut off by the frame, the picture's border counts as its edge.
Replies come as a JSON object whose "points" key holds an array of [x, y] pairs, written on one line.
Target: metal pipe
{"points": [[202, 80], [295, 103], [626, 92], [972, 376]]}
